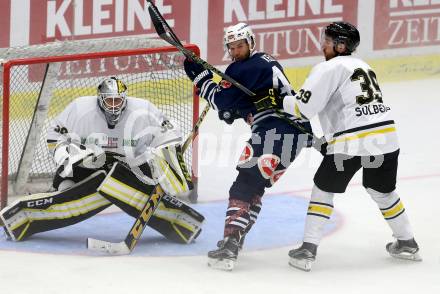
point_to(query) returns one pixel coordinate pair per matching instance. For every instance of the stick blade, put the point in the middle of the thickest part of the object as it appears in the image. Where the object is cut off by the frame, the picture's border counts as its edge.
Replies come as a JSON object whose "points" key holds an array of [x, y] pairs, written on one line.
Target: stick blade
{"points": [[161, 26], [158, 26], [108, 247]]}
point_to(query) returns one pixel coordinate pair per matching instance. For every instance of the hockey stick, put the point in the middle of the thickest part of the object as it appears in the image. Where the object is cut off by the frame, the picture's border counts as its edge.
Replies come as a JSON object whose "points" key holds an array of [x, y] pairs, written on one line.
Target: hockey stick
{"points": [[166, 33], [195, 128], [133, 236]]}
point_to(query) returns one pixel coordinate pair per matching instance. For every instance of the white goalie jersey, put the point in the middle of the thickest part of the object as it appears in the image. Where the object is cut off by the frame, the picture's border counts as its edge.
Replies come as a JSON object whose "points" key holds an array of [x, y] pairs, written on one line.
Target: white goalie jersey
{"points": [[142, 126], [142, 135], [346, 96]]}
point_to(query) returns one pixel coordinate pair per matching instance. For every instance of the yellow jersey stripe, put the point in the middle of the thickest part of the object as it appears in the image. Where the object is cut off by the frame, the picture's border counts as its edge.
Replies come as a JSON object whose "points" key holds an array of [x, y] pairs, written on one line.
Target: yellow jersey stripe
{"points": [[363, 135]]}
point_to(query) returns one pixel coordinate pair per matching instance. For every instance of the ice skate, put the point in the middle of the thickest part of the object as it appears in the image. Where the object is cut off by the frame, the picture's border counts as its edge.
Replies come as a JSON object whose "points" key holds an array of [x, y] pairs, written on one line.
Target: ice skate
{"points": [[225, 256], [404, 249], [240, 244], [303, 257]]}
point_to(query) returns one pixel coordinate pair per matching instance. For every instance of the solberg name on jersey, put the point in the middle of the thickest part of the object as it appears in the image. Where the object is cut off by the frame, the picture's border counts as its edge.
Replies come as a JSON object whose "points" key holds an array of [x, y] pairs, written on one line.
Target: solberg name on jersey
{"points": [[371, 109]]}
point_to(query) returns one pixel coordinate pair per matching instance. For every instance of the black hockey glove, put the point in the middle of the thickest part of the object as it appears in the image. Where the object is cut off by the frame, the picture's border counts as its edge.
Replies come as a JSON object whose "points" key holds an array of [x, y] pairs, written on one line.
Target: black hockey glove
{"points": [[196, 73], [267, 99], [228, 116], [320, 145]]}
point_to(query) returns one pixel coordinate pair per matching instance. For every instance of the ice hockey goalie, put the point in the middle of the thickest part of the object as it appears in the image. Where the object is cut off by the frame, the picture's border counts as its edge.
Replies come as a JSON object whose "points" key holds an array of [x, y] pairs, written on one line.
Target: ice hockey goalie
{"points": [[110, 149]]}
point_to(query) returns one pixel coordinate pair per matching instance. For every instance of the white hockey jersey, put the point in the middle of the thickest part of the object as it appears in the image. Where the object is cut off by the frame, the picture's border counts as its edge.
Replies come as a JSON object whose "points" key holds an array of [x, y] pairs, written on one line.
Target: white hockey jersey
{"points": [[140, 127], [345, 95]]}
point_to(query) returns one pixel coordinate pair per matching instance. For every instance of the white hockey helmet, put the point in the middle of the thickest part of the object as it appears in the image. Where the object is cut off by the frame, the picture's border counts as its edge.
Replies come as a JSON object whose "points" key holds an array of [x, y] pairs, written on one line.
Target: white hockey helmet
{"points": [[112, 99], [240, 31]]}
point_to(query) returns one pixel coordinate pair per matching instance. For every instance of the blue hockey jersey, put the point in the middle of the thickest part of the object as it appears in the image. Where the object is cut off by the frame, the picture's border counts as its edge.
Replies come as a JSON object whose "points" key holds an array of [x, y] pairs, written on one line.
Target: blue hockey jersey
{"points": [[258, 72]]}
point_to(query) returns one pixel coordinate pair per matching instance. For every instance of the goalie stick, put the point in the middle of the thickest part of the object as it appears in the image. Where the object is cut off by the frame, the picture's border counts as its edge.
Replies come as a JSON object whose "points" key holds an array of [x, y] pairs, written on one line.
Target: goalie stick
{"points": [[166, 33], [133, 236], [196, 127]]}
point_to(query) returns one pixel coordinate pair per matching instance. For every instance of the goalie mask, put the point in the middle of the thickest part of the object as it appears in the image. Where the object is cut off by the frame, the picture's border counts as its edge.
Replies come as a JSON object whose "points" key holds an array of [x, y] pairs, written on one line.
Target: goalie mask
{"points": [[240, 31], [112, 99]]}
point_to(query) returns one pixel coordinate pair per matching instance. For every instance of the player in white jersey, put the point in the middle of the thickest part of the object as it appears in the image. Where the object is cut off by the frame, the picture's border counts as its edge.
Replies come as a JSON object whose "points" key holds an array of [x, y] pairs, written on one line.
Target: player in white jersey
{"points": [[110, 149], [344, 93]]}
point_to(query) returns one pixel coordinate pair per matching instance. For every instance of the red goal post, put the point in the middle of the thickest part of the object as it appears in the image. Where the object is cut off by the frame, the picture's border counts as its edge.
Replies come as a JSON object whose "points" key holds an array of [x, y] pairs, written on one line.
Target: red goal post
{"points": [[150, 68]]}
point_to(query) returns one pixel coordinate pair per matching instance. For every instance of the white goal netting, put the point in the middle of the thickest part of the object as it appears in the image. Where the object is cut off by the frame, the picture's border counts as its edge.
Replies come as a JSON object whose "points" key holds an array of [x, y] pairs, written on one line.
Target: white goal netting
{"points": [[150, 68]]}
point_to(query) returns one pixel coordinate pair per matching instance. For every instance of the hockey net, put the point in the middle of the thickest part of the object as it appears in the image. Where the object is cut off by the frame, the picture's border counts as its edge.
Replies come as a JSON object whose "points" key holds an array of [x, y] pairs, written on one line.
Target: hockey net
{"points": [[38, 82]]}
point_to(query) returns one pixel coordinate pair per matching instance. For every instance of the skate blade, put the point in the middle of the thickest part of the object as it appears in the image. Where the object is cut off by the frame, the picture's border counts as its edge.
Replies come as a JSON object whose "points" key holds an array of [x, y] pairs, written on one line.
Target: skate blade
{"points": [[302, 264], [408, 256], [221, 264]]}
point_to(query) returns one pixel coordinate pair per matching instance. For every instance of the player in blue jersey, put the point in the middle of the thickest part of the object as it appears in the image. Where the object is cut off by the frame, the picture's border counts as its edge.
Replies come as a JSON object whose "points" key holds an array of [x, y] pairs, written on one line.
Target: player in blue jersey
{"points": [[274, 143]]}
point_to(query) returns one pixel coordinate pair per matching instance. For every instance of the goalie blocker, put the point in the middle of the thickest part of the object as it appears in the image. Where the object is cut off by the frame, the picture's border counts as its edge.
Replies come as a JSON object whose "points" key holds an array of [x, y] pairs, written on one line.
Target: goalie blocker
{"points": [[48, 211]]}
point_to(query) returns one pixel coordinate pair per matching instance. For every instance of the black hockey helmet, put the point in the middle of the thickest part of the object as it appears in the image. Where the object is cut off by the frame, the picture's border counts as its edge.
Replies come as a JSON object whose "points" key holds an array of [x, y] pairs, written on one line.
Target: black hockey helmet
{"points": [[344, 32]]}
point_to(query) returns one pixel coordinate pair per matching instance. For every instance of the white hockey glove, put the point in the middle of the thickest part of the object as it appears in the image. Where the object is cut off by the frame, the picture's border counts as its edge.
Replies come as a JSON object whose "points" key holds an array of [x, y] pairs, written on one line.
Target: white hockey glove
{"points": [[70, 155]]}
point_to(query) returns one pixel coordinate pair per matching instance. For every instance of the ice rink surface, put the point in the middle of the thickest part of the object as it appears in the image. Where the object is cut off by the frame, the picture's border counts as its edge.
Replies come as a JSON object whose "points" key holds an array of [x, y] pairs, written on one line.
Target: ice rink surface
{"points": [[350, 260]]}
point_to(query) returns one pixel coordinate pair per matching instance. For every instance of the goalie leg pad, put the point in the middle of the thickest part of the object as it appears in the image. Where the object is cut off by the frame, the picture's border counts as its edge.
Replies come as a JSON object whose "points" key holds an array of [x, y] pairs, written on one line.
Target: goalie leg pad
{"points": [[173, 218], [124, 189], [48, 211], [176, 221]]}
